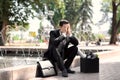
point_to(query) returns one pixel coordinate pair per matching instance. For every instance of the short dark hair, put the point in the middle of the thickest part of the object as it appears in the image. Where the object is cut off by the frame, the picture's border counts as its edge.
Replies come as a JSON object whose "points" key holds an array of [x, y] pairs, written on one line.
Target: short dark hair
{"points": [[63, 22]]}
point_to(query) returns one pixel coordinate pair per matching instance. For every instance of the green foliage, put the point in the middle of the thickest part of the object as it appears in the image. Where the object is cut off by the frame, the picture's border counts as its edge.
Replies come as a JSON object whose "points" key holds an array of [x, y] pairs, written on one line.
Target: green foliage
{"points": [[72, 11], [85, 19], [59, 13], [16, 37], [107, 8], [86, 11], [15, 11], [4, 9], [107, 5], [19, 11], [55, 5], [25, 25], [100, 36]]}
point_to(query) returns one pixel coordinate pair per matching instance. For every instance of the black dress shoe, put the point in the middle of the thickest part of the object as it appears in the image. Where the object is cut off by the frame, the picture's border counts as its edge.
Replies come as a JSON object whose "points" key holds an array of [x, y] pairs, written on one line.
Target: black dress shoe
{"points": [[70, 71], [64, 73]]}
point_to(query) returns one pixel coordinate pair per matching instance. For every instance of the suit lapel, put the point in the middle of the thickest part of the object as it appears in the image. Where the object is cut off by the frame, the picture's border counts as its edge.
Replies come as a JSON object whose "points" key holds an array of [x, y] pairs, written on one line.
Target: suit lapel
{"points": [[58, 32]]}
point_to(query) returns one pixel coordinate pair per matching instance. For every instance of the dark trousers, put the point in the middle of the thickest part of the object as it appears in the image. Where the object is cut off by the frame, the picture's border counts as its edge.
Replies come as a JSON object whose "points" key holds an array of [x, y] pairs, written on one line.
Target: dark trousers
{"points": [[68, 56]]}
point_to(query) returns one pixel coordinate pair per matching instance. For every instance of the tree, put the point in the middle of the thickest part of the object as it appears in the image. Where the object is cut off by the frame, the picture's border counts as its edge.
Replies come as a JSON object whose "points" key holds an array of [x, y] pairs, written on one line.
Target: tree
{"points": [[86, 19], [63, 9], [114, 7], [44, 6], [72, 11], [20, 10], [115, 21], [79, 12], [14, 11]]}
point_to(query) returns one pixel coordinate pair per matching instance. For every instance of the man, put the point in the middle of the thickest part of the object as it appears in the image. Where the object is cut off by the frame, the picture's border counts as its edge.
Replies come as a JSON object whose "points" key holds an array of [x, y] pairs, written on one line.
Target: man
{"points": [[59, 50]]}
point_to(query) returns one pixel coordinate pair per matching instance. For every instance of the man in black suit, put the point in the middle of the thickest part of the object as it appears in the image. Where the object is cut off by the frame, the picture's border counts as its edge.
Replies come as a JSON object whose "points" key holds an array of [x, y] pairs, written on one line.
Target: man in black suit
{"points": [[59, 50]]}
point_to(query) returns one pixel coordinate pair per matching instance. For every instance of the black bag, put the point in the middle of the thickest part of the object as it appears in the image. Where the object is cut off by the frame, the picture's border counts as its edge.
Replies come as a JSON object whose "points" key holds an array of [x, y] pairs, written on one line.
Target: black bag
{"points": [[89, 65], [45, 69]]}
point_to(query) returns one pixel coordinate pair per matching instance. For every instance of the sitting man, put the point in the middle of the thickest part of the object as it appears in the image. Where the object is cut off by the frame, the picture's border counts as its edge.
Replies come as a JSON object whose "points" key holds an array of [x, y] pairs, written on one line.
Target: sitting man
{"points": [[59, 50]]}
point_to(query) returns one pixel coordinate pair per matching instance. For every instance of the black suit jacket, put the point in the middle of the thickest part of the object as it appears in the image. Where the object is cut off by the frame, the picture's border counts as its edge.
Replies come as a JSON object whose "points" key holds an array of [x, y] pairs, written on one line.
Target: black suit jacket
{"points": [[54, 41]]}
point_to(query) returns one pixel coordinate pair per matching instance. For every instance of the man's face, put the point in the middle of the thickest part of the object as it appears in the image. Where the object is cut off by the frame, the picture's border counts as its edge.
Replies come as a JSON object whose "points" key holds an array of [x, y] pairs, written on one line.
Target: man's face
{"points": [[65, 27]]}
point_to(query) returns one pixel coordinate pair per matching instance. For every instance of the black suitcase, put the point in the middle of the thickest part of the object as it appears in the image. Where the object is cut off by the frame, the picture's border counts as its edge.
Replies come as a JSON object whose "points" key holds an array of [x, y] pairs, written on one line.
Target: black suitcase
{"points": [[88, 65]]}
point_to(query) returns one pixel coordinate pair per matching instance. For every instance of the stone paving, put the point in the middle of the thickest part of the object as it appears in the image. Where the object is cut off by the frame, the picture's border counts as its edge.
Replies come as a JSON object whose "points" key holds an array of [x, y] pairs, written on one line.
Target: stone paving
{"points": [[109, 69]]}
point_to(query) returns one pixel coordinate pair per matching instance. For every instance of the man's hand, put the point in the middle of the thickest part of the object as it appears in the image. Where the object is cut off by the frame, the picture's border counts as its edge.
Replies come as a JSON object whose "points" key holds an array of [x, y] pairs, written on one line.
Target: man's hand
{"points": [[68, 31], [64, 29]]}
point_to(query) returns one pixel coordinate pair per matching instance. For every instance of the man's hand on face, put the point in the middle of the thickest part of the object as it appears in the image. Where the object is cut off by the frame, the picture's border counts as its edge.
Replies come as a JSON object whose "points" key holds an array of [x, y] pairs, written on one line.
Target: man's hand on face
{"points": [[64, 28], [68, 30]]}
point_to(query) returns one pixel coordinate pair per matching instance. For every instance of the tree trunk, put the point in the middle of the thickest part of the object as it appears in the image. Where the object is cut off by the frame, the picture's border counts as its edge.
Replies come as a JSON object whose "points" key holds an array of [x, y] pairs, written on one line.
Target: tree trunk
{"points": [[1, 36], [3, 33], [113, 38]]}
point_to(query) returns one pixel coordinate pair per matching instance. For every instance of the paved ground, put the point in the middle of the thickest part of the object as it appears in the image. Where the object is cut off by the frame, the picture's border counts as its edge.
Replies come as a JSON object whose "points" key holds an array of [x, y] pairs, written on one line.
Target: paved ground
{"points": [[109, 70]]}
